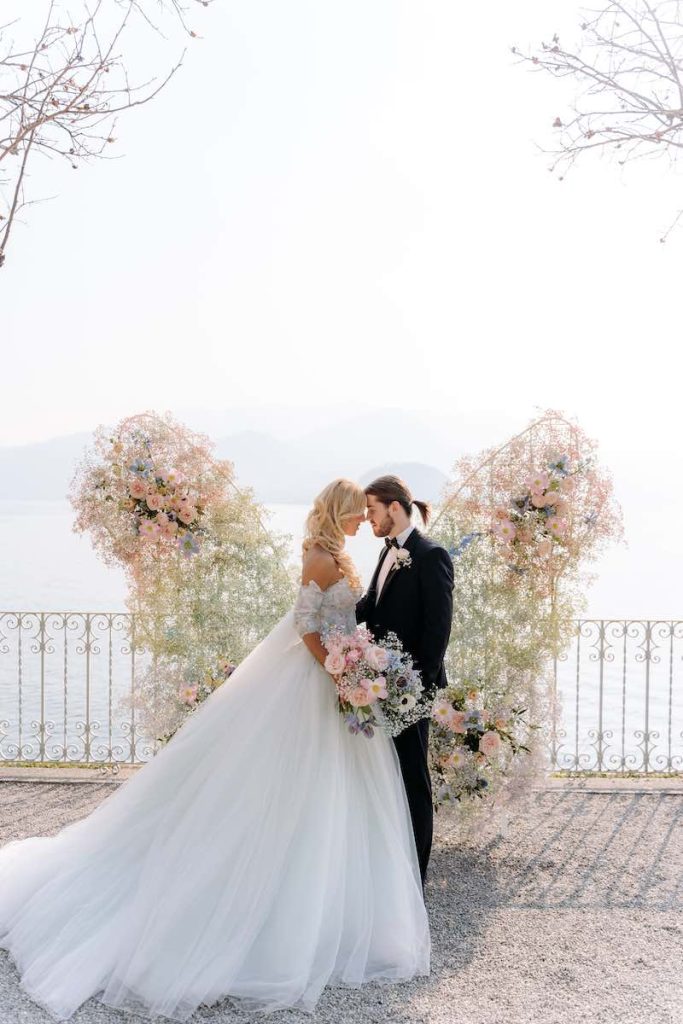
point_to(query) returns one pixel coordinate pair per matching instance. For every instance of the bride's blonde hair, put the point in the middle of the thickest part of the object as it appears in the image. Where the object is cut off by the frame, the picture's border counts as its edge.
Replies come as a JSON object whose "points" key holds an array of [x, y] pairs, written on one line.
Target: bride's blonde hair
{"points": [[324, 524]]}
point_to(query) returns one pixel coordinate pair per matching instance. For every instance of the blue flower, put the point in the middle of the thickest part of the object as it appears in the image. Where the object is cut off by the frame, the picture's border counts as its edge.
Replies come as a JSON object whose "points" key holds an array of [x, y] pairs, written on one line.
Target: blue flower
{"points": [[464, 543], [394, 660], [188, 544], [560, 465], [141, 467], [473, 720]]}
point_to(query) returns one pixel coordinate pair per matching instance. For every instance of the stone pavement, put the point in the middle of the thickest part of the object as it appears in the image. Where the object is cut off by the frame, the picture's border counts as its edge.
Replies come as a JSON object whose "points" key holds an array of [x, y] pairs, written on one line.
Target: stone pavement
{"points": [[575, 913]]}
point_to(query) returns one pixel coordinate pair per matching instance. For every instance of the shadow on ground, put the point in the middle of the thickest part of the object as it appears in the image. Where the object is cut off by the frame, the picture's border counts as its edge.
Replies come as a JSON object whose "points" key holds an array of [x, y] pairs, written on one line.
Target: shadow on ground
{"points": [[575, 912]]}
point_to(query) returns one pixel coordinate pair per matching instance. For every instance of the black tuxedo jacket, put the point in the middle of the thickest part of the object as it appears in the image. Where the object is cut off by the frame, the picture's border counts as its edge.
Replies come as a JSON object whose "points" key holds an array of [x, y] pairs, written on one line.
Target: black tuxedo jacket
{"points": [[416, 603]]}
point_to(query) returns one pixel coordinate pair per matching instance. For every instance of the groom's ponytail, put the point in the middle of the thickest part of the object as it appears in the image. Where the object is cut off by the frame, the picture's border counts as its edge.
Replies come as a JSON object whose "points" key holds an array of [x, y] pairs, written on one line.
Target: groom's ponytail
{"points": [[425, 510], [391, 488]]}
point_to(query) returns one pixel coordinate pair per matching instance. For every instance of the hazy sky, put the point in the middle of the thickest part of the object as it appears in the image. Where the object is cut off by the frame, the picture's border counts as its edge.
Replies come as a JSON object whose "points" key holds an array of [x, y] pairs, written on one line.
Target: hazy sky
{"points": [[343, 204]]}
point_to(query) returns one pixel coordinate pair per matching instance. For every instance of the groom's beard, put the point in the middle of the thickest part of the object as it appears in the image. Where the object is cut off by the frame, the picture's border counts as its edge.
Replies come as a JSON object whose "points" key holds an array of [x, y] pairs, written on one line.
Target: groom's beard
{"points": [[385, 527]]}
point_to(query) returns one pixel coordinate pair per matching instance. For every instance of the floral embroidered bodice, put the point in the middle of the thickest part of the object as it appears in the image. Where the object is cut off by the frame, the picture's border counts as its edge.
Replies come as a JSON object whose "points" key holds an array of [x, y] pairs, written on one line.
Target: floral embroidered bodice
{"points": [[315, 609]]}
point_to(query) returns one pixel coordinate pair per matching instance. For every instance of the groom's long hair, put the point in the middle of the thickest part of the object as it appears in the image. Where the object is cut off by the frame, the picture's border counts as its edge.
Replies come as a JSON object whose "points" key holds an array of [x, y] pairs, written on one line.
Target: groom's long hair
{"points": [[391, 488]]}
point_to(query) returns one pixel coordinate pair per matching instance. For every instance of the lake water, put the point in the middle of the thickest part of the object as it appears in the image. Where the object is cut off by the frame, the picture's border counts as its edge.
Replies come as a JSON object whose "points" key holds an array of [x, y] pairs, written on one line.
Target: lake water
{"points": [[45, 567]]}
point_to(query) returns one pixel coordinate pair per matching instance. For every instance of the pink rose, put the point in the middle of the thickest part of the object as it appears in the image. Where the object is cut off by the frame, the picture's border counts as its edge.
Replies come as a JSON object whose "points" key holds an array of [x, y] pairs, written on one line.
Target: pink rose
{"points": [[352, 656], [377, 657], [153, 500], [489, 743], [335, 663], [187, 514], [456, 722], [358, 697], [567, 485], [137, 489], [538, 500]]}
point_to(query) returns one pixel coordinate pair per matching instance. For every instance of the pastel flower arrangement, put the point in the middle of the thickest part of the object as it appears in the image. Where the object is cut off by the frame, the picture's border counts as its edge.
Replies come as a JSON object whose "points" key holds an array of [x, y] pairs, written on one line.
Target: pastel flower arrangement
{"points": [[530, 525], [191, 694], [471, 742], [186, 685], [377, 685], [521, 521], [144, 490], [205, 574]]}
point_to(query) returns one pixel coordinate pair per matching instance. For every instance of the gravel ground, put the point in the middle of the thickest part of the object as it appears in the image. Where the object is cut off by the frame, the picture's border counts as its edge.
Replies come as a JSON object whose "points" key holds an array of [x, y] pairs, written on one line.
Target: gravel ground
{"points": [[576, 913]]}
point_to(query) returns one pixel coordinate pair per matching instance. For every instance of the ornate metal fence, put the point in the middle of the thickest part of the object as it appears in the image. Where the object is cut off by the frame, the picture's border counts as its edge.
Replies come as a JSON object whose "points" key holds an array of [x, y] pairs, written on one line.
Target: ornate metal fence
{"points": [[67, 680], [620, 688]]}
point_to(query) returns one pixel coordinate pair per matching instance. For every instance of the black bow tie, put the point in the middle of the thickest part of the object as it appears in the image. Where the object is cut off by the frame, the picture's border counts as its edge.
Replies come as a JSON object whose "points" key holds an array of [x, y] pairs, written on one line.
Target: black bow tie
{"points": [[391, 542]]}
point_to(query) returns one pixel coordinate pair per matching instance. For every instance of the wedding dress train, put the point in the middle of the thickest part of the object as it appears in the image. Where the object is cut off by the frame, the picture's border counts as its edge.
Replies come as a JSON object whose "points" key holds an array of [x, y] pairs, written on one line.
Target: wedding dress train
{"points": [[263, 854]]}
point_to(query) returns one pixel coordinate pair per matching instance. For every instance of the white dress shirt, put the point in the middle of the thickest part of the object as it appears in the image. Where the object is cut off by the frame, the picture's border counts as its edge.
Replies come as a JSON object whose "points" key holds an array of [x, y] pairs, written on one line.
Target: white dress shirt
{"points": [[390, 559]]}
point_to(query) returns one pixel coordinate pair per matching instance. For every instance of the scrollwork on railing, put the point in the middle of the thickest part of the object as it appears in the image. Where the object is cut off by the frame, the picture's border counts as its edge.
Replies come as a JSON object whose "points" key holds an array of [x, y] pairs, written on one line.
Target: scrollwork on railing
{"points": [[70, 676], [68, 679], [619, 695]]}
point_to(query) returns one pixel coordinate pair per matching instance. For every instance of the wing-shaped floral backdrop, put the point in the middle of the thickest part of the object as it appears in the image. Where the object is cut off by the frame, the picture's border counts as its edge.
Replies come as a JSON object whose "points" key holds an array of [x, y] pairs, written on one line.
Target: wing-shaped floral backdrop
{"points": [[523, 521], [206, 577]]}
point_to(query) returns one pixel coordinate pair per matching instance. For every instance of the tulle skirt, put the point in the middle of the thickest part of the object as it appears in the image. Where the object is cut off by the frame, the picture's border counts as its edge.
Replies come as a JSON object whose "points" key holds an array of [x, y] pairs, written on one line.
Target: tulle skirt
{"points": [[263, 854]]}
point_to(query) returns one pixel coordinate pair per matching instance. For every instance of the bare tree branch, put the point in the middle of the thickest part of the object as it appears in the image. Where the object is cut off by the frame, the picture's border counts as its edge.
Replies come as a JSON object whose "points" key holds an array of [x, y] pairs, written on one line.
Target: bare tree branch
{"points": [[628, 69], [60, 94]]}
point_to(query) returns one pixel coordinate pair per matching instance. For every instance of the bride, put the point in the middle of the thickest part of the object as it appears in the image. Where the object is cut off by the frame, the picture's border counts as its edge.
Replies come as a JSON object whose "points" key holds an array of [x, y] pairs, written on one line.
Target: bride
{"points": [[264, 853]]}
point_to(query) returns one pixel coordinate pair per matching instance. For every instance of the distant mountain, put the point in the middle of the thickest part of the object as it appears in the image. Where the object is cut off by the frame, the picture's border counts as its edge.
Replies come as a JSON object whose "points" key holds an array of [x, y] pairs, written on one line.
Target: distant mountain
{"points": [[296, 471], [40, 470], [381, 436], [425, 482], [279, 471]]}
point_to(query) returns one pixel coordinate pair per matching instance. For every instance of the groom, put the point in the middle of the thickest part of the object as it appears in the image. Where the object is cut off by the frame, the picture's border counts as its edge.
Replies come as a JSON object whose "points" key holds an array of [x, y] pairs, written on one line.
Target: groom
{"points": [[411, 595]]}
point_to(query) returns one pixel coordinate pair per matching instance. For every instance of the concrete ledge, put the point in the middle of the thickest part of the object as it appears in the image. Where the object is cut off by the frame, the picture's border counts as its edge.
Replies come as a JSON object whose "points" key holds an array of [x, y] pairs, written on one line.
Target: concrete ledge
{"points": [[97, 775], [583, 783], [599, 784]]}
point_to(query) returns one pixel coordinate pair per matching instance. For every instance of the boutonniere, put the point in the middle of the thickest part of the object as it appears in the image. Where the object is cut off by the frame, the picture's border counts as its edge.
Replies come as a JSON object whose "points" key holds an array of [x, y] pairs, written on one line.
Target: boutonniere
{"points": [[403, 559]]}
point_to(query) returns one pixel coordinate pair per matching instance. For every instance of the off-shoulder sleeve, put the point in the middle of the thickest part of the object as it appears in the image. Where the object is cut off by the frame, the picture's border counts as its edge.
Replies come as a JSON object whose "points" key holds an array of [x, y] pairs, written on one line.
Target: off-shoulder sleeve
{"points": [[307, 617]]}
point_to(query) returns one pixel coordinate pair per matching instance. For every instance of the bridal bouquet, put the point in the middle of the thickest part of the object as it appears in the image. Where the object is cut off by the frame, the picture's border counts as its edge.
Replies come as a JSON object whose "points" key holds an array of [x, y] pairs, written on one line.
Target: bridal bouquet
{"points": [[377, 685]]}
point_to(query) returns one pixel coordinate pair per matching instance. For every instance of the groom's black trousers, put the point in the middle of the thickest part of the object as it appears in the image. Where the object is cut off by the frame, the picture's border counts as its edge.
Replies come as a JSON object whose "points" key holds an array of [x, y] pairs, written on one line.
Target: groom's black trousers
{"points": [[412, 747]]}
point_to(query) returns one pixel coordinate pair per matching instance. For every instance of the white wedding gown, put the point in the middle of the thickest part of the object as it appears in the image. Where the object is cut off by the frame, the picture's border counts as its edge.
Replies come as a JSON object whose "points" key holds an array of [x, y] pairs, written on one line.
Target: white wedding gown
{"points": [[264, 853]]}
